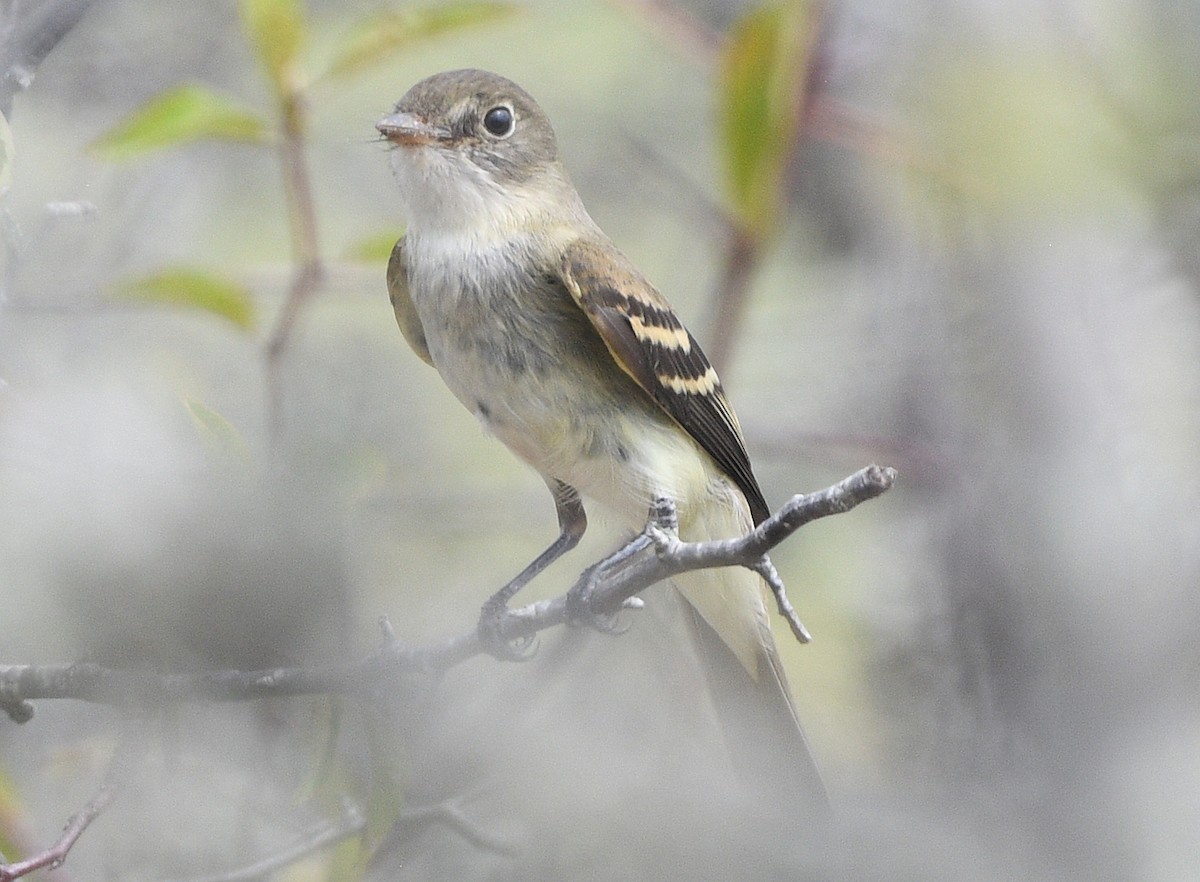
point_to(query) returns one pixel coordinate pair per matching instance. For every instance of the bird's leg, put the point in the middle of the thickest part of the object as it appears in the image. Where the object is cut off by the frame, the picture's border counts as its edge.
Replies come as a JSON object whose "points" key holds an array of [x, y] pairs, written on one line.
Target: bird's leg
{"points": [[572, 522], [579, 598]]}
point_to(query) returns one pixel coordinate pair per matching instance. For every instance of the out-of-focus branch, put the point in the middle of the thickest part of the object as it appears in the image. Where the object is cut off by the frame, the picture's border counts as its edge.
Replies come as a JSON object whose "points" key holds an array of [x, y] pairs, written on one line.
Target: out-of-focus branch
{"points": [[57, 853], [309, 269], [20, 684], [27, 34], [52, 858], [330, 833], [819, 116], [448, 815], [746, 245], [742, 257]]}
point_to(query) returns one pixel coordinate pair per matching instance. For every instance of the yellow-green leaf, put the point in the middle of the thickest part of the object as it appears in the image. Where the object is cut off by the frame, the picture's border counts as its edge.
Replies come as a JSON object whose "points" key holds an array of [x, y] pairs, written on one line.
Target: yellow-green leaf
{"points": [[381, 35], [277, 30], [194, 289], [376, 248], [762, 81], [332, 787], [178, 116], [389, 772], [215, 428], [13, 819]]}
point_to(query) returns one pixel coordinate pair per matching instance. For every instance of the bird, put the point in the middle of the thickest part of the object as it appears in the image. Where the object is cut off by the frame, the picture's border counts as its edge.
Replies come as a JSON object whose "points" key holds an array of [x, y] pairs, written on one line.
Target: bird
{"points": [[569, 356]]}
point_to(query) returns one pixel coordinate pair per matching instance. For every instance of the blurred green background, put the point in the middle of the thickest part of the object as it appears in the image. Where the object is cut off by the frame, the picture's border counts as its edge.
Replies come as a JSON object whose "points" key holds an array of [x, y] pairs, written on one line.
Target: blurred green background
{"points": [[982, 269]]}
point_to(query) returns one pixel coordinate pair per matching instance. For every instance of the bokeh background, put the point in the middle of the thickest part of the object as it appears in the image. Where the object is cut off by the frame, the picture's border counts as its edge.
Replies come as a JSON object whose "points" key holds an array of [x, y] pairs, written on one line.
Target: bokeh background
{"points": [[983, 271]]}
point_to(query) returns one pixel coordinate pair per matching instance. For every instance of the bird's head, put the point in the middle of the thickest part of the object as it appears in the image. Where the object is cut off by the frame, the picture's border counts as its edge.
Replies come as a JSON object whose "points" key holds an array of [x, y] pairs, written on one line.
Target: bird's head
{"points": [[473, 149]]}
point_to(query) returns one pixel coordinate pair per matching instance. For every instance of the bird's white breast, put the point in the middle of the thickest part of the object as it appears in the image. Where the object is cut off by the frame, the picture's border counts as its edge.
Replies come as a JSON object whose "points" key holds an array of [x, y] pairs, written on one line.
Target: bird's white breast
{"points": [[501, 352]]}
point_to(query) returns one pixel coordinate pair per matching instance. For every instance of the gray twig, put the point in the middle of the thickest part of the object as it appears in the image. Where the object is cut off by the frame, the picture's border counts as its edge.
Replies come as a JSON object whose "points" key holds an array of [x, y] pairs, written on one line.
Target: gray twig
{"points": [[54, 856], [351, 823]]}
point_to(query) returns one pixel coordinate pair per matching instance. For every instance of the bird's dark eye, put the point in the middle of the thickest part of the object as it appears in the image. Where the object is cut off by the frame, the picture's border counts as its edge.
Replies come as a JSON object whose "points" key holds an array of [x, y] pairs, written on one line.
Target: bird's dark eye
{"points": [[499, 121]]}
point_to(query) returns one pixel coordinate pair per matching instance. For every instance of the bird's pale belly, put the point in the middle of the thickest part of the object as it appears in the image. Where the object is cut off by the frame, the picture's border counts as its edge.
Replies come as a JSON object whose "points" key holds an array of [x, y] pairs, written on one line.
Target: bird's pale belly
{"points": [[575, 418], [520, 354]]}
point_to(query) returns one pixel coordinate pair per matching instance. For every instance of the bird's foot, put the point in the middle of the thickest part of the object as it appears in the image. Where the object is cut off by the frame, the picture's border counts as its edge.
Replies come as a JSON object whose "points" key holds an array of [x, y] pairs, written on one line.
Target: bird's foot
{"points": [[581, 598], [495, 623], [579, 604]]}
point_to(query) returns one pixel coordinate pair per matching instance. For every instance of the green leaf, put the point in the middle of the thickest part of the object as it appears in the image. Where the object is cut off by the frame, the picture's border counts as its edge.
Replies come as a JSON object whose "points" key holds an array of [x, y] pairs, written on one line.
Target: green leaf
{"points": [[381, 35], [215, 428], [13, 819], [6, 154], [178, 116], [388, 762], [195, 289], [330, 785], [376, 248], [763, 69], [277, 30]]}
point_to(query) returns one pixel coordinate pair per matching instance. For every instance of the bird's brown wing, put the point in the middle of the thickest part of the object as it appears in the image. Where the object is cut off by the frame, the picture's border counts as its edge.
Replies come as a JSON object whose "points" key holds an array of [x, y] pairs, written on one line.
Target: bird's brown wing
{"points": [[406, 313], [650, 343]]}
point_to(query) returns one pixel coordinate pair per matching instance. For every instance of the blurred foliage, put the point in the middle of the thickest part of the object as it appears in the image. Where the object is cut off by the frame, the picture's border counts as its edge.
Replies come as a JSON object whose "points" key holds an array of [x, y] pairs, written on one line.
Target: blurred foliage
{"points": [[765, 72], [12, 819], [761, 98], [178, 116], [217, 429], [1000, 682], [278, 32], [277, 29], [195, 289], [386, 778]]}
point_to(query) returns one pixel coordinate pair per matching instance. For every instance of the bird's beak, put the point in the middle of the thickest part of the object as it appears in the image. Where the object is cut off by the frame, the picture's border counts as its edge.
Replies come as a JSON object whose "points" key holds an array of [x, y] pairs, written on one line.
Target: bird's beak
{"points": [[410, 130]]}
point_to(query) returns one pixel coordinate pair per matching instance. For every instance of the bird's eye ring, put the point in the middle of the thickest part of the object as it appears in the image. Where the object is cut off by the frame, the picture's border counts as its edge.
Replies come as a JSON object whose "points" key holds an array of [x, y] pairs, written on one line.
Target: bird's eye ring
{"points": [[500, 121]]}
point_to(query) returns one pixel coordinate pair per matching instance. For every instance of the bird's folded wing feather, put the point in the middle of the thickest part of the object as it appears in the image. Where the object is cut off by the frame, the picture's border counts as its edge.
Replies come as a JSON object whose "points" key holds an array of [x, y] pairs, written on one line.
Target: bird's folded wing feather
{"points": [[650, 343], [406, 313]]}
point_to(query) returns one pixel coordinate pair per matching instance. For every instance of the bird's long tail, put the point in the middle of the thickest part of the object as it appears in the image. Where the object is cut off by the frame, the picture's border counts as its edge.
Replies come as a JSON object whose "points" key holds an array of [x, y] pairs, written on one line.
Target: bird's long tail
{"points": [[750, 690]]}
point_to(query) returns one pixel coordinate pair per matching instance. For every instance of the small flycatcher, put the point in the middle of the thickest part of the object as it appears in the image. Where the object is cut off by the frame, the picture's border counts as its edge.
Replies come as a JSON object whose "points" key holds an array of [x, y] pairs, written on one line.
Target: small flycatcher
{"points": [[568, 355]]}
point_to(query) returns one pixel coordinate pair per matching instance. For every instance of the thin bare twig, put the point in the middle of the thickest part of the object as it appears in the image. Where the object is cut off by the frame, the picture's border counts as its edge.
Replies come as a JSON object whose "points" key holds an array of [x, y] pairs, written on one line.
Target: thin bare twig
{"points": [[731, 293], [54, 856], [310, 270], [330, 833], [129, 749], [453, 817], [20, 684]]}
